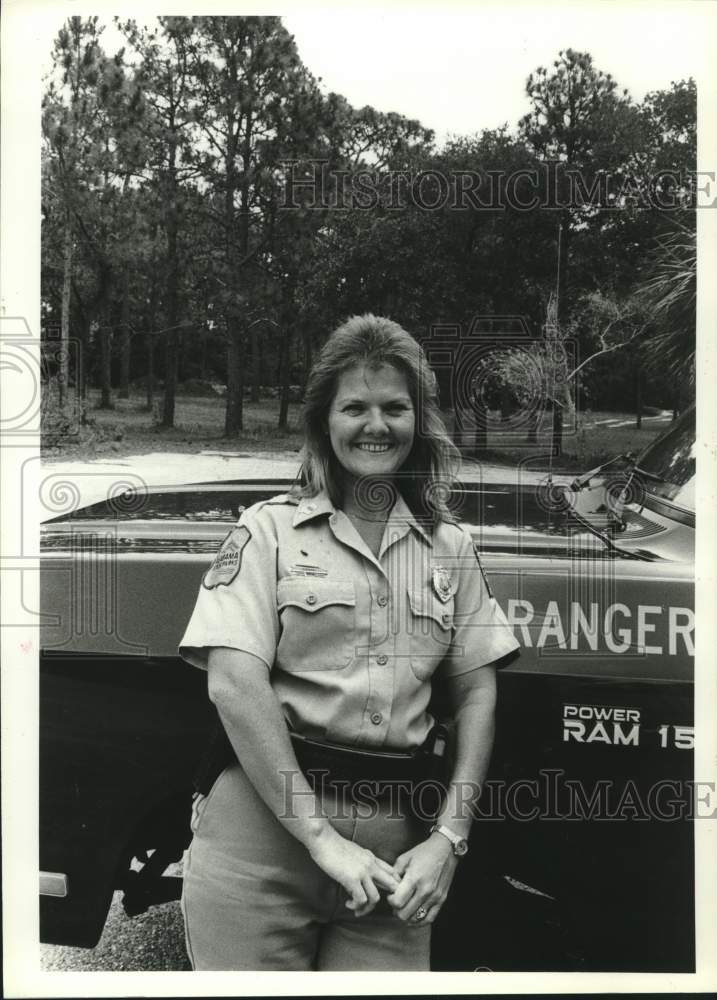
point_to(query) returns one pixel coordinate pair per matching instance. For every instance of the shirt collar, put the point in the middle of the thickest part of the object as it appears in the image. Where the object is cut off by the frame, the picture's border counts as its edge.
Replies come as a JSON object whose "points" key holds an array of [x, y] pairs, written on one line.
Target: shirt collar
{"points": [[311, 507], [401, 514]]}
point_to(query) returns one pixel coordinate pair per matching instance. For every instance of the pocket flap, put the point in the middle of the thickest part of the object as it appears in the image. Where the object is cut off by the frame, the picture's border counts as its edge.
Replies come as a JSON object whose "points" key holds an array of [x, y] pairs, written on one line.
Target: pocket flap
{"points": [[312, 594], [424, 604]]}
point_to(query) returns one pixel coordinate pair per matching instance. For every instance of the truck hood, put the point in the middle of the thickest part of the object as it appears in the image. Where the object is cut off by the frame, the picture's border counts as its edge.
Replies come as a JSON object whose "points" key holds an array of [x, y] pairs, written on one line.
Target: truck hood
{"points": [[506, 518]]}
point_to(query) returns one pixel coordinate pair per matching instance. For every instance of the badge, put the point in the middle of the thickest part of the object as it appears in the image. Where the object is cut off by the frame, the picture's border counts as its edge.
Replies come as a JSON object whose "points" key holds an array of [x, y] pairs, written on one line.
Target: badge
{"points": [[442, 584], [227, 561], [304, 569]]}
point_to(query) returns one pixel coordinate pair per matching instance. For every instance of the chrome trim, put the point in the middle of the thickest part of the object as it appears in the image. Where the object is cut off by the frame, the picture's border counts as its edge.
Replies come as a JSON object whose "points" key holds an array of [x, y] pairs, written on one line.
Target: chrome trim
{"points": [[53, 884]]}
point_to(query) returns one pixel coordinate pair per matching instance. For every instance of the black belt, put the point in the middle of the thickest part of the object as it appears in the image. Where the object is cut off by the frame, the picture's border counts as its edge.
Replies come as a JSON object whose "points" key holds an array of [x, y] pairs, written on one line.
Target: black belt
{"points": [[336, 764], [326, 764]]}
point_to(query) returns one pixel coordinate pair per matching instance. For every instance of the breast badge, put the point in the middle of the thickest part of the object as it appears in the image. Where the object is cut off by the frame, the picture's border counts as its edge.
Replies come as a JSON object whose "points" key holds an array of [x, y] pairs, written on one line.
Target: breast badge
{"points": [[227, 561], [442, 584], [305, 569]]}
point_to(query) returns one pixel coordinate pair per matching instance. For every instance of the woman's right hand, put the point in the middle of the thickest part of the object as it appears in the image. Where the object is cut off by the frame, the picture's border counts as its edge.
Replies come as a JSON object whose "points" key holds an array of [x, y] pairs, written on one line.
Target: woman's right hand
{"points": [[355, 868]]}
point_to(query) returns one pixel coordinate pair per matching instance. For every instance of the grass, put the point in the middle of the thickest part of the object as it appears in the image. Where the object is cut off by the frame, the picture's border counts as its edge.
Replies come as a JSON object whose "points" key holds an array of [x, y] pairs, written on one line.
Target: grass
{"points": [[129, 429], [595, 437]]}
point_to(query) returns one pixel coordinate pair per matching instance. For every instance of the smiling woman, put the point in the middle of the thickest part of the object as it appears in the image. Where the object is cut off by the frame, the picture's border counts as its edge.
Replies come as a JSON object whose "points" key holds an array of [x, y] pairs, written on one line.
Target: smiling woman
{"points": [[326, 619], [371, 422]]}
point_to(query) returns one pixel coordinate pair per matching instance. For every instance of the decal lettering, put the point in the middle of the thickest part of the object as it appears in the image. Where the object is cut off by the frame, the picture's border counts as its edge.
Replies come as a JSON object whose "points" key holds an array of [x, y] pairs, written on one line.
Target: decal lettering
{"points": [[643, 627], [617, 647], [580, 624], [631, 738], [520, 614], [616, 628], [603, 724], [684, 629], [552, 627]]}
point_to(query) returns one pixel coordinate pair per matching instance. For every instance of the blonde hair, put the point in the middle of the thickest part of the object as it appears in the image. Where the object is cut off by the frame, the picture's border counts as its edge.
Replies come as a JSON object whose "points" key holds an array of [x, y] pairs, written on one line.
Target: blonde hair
{"points": [[432, 463]]}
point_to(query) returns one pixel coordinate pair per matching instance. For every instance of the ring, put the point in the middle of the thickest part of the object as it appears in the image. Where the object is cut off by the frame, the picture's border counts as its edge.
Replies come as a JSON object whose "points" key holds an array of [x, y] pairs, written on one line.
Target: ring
{"points": [[420, 913]]}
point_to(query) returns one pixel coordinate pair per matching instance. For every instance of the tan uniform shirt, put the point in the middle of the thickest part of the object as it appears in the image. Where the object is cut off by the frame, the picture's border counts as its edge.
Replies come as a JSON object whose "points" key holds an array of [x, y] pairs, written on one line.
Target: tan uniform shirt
{"points": [[352, 641]]}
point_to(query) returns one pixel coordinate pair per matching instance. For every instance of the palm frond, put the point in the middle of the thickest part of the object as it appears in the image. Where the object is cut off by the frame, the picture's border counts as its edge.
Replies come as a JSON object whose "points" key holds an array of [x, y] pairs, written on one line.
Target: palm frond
{"points": [[669, 299]]}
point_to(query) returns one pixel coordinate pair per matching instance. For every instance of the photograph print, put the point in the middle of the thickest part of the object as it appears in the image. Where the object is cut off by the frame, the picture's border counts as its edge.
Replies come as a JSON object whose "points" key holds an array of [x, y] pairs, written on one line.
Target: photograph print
{"points": [[369, 369]]}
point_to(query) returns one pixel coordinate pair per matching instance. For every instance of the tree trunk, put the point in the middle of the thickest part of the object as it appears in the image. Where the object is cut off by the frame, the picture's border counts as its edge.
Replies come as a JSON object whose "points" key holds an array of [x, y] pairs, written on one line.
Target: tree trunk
{"points": [[262, 363], [255, 363], [150, 373], [170, 378], [563, 248], [63, 374], [150, 326], [557, 443], [308, 355], [172, 289], [82, 374], [125, 342], [105, 332], [284, 356], [203, 352], [234, 416]]}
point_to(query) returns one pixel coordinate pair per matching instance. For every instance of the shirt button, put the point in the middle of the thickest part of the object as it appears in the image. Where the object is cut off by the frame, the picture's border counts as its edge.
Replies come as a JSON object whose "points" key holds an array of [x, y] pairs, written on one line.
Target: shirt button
{"points": [[310, 508], [311, 598], [382, 659], [382, 601], [446, 618], [377, 718]]}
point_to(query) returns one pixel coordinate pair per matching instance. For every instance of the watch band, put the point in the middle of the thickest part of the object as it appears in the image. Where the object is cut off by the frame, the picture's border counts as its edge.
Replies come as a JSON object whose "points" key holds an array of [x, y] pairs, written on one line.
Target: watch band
{"points": [[459, 844]]}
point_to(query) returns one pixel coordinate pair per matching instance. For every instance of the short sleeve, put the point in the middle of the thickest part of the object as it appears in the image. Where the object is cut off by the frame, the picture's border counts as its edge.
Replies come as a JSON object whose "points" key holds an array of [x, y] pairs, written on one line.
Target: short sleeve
{"points": [[482, 634], [236, 605]]}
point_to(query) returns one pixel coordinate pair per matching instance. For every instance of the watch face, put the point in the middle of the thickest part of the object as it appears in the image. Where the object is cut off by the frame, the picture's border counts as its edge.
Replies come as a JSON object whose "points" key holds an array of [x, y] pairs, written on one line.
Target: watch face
{"points": [[460, 848]]}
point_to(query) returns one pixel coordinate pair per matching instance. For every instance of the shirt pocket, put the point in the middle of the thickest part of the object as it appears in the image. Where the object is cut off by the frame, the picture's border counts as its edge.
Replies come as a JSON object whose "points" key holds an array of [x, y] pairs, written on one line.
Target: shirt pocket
{"points": [[430, 624], [318, 624]]}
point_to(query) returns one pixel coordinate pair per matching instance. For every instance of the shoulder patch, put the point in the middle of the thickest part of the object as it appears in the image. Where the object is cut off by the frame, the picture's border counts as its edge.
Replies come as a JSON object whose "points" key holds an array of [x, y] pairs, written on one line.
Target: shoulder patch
{"points": [[482, 571], [227, 561]]}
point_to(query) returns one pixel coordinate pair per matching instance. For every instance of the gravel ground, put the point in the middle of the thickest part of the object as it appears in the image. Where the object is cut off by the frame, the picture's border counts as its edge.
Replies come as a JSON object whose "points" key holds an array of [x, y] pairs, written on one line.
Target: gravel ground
{"points": [[151, 942]]}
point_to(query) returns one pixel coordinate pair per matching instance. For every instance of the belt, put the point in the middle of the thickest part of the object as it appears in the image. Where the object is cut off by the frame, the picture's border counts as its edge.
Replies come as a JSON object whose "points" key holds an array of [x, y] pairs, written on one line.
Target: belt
{"points": [[333, 763]]}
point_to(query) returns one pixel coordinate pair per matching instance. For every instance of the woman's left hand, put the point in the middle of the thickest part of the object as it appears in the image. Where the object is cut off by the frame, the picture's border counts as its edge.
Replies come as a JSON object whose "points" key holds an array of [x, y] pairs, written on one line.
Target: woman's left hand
{"points": [[426, 872]]}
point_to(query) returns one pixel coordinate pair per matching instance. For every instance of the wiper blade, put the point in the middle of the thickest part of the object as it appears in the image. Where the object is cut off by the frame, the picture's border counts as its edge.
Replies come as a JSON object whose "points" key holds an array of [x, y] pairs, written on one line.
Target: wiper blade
{"points": [[602, 534], [613, 516], [648, 475], [580, 482]]}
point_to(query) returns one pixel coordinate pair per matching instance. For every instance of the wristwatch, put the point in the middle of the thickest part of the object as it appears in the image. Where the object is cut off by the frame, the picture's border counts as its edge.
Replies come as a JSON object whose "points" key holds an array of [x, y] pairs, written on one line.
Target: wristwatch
{"points": [[459, 844]]}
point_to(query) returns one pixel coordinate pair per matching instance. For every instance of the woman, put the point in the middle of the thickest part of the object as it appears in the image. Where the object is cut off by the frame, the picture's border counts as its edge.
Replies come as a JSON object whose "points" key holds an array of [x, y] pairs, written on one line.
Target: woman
{"points": [[331, 613]]}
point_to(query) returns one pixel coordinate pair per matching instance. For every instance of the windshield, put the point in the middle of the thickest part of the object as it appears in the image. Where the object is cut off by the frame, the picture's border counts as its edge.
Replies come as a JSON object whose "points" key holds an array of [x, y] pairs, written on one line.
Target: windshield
{"points": [[671, 460]]}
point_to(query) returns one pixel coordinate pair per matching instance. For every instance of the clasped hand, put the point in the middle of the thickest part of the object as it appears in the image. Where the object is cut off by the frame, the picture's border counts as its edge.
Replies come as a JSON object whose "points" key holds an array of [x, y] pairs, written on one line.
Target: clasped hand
{"points": [[420, 877], [426, 872]]}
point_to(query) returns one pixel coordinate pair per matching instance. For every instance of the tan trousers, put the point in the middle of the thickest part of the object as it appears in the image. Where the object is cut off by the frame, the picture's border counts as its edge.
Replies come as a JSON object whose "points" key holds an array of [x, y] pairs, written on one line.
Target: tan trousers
{"points": [[254, 899]]}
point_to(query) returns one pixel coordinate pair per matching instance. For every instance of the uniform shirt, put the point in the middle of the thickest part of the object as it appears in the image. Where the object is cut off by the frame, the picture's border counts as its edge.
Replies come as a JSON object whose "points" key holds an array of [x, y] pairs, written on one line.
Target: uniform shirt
{"points": [[351, 641]]}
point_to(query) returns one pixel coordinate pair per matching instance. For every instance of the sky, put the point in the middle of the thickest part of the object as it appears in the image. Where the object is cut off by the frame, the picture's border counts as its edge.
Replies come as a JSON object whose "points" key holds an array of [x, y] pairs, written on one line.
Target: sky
{"points": [[460, 67]]}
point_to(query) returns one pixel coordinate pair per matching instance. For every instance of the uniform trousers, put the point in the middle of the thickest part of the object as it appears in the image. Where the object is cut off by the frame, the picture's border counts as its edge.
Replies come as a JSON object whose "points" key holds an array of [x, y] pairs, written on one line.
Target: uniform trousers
{"points": [[254, 899]]}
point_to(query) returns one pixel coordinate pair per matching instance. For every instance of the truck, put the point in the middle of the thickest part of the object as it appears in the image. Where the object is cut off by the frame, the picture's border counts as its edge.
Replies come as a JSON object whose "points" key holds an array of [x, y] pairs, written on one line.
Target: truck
{"points": [[582, 853]]}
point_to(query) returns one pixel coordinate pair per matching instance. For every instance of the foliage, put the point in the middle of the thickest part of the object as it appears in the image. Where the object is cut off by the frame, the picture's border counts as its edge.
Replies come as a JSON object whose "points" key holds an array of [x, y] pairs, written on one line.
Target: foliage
{"points": [[169, 252], [669, 297]]}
